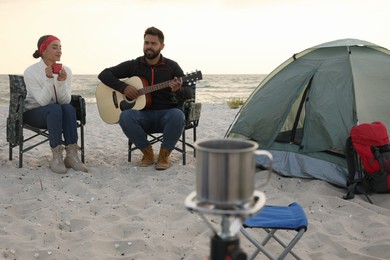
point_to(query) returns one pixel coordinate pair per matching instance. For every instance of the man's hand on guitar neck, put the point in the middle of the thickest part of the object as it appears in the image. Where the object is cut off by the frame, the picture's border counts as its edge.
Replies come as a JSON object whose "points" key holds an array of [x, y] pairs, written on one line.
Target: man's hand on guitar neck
{"points": [[176, 84], [130, 92]]}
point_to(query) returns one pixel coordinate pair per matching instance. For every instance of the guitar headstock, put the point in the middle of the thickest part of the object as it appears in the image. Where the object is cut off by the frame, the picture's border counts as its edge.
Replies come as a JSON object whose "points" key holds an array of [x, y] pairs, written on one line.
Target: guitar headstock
{"points": [[192, 77]]}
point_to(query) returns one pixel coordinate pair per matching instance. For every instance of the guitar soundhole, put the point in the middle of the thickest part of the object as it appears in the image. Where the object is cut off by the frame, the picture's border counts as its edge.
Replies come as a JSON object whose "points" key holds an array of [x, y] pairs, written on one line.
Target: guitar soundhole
{"points": [[126, 105], [114, 99]]}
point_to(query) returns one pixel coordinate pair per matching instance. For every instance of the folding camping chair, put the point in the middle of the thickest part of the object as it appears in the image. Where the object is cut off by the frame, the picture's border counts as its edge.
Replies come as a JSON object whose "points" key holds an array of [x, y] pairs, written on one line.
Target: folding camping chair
{"points": [[272, 219], [191, 111], [16, 125]]}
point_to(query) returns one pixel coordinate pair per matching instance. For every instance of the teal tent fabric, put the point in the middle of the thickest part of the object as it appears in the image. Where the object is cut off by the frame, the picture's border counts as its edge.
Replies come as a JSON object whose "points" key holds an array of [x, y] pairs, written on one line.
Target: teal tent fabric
{"points": [[308, 104]]}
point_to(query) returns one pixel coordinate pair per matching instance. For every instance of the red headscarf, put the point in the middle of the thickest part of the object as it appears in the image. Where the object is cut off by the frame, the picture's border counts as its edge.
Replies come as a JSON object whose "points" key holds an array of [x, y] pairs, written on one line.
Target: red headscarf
{"points": [[46, 43]]}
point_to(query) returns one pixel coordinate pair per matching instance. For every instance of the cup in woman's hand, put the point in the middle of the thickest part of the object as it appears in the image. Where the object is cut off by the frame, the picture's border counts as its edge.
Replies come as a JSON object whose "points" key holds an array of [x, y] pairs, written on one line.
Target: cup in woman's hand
{"points": [[56, 68]]}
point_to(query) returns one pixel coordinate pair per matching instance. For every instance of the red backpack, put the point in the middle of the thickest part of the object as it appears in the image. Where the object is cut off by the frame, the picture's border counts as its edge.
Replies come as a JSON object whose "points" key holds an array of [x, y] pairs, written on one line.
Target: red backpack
{"points": [[371, 143]]}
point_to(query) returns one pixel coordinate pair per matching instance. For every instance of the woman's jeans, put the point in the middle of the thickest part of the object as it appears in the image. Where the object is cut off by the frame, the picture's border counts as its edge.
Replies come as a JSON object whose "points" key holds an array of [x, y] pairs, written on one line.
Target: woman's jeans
{"points": [[58, 119], [135, 124]]}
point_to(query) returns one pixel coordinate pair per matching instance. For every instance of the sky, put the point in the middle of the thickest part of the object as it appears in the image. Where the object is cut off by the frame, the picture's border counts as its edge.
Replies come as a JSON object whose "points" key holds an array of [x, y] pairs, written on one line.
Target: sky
{"points": [[214, 36]]}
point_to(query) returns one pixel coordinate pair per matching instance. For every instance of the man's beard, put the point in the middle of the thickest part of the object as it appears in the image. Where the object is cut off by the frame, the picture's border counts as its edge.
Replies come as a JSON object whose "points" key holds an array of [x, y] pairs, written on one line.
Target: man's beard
{"points": [[152, 55]]}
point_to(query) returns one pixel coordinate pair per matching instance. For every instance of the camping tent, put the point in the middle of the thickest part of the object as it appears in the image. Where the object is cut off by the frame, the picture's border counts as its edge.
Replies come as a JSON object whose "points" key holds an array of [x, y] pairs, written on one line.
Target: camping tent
{"points": [[302, 112]]}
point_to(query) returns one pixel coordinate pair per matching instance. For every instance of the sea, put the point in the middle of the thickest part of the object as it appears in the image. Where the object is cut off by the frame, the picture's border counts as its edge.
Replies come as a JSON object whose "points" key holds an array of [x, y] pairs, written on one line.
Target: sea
{"points": [[213, 88]]}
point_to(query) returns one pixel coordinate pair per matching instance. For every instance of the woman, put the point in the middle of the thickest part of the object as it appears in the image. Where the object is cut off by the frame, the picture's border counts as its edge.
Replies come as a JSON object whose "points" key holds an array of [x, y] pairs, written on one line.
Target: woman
{"points": [[47, 104]]}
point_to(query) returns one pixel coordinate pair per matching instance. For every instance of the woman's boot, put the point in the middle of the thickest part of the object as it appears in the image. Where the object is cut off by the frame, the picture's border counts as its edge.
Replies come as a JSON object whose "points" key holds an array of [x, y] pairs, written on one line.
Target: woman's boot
{"points": [[57, 164], [72, 159]]}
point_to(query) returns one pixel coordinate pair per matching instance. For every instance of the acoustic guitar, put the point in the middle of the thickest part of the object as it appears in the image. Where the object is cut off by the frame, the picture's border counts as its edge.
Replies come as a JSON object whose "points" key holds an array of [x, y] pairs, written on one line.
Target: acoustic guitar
{"points": [[111, 102]]}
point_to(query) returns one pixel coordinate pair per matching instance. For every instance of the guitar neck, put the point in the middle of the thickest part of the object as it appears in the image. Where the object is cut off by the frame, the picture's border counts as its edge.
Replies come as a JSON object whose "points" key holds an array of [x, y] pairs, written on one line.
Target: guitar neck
{"points": [[155, 87]]}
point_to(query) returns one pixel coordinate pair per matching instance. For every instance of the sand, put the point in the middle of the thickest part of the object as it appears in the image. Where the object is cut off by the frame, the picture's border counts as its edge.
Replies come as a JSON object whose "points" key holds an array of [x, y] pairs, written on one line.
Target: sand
{"points": [[120, 211]]}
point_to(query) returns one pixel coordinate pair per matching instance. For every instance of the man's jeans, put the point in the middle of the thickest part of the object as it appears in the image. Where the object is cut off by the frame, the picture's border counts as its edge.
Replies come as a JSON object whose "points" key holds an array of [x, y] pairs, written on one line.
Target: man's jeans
{"points": [[135, 124]]}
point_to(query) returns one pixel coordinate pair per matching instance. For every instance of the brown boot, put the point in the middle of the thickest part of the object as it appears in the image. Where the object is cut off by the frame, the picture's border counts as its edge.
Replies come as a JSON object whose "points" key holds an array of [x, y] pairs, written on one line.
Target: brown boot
{"points": [[72, 159], [57, 163], [148, 157], [163, 159]]}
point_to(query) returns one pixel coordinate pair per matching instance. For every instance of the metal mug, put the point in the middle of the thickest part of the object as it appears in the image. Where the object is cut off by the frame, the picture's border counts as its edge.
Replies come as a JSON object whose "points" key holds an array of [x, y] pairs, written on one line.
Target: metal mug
{"points": [[225, 171]]}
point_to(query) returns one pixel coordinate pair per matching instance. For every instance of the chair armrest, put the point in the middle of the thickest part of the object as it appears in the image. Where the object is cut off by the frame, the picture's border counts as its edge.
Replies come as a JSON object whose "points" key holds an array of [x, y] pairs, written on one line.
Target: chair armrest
{"points": [[78, 103], [192, 110]]}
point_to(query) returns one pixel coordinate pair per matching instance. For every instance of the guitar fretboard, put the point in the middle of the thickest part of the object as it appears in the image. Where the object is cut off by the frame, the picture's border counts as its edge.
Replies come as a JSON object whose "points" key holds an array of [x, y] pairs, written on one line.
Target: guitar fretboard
{"points": [[188, 78], [155, 87]]}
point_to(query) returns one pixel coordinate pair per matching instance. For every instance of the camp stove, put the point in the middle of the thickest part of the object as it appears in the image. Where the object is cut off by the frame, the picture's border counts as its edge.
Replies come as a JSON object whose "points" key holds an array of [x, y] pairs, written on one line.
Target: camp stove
{"points": [[225, 170]]}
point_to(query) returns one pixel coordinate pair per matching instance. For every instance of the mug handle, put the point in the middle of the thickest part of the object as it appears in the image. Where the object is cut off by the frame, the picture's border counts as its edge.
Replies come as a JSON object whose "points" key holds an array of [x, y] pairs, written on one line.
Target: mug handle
{"points": [[270, 158]]}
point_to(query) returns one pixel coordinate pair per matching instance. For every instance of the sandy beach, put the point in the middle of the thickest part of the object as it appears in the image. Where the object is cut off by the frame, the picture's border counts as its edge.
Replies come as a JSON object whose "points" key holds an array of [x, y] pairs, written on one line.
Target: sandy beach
{"points": [[120, 211]]}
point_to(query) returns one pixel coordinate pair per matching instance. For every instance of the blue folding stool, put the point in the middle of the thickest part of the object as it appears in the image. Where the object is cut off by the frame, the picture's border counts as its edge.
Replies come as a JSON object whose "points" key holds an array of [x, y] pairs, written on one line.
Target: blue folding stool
{"points": [[274, 218]]}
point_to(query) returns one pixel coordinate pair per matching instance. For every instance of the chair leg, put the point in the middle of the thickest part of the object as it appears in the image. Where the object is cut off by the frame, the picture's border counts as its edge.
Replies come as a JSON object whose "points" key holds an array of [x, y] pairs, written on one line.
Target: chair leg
{"points": [[130, 144], [259, 246], [194, 140], [287, 248], [21, 155], [10, 152], [183, 143], [82, 144]]}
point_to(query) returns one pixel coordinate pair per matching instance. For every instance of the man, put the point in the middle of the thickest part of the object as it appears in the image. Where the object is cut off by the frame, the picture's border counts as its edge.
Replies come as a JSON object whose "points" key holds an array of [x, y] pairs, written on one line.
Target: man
{"points": [[162, 116]]}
